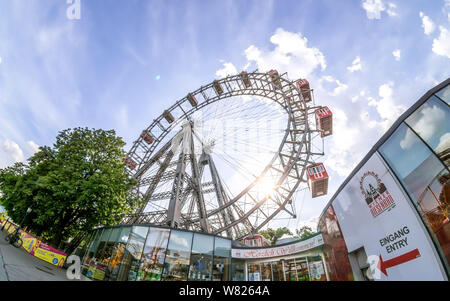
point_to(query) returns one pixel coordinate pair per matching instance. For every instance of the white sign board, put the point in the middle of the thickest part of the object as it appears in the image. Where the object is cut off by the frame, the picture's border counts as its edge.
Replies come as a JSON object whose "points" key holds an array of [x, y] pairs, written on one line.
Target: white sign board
{"points": [[255, 253], [374, 213]]}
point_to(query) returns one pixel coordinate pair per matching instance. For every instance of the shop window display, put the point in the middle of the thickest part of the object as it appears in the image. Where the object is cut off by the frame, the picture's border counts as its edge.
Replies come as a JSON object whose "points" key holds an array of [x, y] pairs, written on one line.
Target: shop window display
{"points": [[221, 264], [177, 256], [118, 247], [152, 261], [132, 254], [201, 257], [277, 271], [238, 270], [424, 177], [266, 271], [94, 266], [254, 272], [89, 259], [316, 268]]}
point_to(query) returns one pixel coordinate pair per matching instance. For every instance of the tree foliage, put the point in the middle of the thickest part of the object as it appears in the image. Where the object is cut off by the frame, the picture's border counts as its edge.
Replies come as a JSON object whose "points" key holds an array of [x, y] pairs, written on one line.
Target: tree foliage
{"points": [[304, 232], [77, 184], [274, 234]]}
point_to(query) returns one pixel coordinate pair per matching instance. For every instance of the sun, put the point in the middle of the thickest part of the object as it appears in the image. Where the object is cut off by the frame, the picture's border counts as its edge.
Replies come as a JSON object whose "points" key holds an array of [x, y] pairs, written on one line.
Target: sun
{"points": [[265, 186]]}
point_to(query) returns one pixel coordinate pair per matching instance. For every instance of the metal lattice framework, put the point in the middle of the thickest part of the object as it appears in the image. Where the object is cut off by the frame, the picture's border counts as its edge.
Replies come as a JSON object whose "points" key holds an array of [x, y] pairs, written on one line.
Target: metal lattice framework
{"points": [[233, 216]]}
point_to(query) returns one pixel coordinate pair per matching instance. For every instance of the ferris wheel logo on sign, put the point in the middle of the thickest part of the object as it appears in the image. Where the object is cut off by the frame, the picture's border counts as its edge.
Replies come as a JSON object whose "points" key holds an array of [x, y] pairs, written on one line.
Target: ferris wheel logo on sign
{"points": [[377, 197]]}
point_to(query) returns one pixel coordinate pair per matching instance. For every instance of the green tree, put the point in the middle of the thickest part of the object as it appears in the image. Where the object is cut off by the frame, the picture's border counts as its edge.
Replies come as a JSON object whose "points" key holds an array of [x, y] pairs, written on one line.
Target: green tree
{"points": [[77, 184], [274, 235], [304, 232]]}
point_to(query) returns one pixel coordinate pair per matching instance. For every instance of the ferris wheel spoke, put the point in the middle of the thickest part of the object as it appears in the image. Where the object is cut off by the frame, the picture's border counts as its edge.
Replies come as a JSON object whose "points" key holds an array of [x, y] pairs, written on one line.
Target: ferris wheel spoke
{"points": [[258, 129]]}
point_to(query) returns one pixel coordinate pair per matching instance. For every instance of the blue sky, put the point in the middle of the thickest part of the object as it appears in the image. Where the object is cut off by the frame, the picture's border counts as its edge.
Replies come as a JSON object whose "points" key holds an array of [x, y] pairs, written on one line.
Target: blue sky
{"points": [[123, 62]]}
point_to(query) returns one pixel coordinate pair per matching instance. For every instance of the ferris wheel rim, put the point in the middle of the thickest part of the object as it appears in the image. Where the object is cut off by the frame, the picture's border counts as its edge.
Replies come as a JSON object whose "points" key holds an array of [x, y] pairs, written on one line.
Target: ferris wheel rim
{"points": [[250, 92]]}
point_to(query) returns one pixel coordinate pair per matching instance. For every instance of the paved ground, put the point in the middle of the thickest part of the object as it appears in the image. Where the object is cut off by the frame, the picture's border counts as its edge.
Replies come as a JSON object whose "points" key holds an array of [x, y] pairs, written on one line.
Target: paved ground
{"points": [[17, 264]]}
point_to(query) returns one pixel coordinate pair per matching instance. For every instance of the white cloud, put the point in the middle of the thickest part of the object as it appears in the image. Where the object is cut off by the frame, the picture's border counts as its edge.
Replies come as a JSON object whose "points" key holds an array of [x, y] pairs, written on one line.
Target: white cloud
{"points": [[0, 59], [340, 87], [446, 9], [373, 8], [291, 55], [441, 45], [356, 97], [12, 150], [356, 65], [432, 119], [444, 143], [427, 24], [32, 147], [397, 54], [228, 69], [386, 107], [390, 11], [344, 139]]}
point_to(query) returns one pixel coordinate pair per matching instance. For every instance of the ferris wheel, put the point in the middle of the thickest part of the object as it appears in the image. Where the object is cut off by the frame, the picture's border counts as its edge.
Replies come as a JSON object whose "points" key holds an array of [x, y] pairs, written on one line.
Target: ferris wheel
{"points": [[229, 157]]}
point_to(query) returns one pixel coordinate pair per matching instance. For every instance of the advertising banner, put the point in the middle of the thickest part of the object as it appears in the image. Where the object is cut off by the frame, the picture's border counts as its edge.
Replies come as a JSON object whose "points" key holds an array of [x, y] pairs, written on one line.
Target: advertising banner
{"points": [[297, 247], [29, 242], [374, 214], [49, 254]]}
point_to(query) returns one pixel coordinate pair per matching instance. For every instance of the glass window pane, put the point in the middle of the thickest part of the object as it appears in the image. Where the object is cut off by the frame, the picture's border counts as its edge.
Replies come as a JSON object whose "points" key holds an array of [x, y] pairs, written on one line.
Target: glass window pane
{"points": [[201, 257], [238, 270], [152, 261], [316, 268], [266, 271], [222, 254], [444, 94], [118, 252], [426, 180], [254, 272], [177, 256], [92, 249], [132, 254], [431, 123]]}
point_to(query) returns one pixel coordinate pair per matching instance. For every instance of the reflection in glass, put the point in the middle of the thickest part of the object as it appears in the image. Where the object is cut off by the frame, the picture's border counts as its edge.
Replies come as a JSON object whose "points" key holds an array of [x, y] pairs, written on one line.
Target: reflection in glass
{"points": [[152, 261], [222, 254], [444, 94], [277, 271], [117, 253], [432, 123], [201, 257], [132, 254], [92, 249], [254, 272], [266, 271], [177, 256], [425, 178], [93, 266], [316, 268], [238, 270], [334, 247]]}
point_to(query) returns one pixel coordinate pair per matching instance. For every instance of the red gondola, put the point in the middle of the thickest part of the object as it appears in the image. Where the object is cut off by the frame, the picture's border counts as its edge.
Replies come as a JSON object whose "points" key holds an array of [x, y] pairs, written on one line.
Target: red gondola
{"points": [[147, 137], [168, 116], [275, 79], [192, 100], [130, 163], [217, 87], [245, 79], [324, 121], [303, 86], [255, 240], [317, 179]]}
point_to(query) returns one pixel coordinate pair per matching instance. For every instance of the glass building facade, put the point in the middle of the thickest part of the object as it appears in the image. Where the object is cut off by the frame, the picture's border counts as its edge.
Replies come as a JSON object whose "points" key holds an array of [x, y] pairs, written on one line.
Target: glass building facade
{"points": [[414, 155], [148, 253]]}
